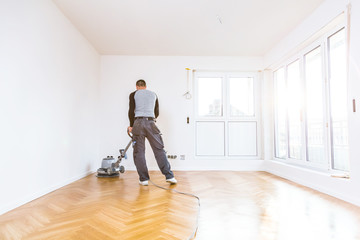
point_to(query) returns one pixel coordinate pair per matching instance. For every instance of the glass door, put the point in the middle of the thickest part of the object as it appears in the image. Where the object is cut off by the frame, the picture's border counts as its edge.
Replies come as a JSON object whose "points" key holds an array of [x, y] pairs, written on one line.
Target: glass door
{"points": [[338, 101], [226, 115], [315, 117], [294, 107]]}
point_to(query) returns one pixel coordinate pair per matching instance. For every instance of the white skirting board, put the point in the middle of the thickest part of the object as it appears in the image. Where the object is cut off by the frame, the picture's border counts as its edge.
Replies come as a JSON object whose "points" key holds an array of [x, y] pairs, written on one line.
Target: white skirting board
{"points": [[340, 188], [205, 165]]}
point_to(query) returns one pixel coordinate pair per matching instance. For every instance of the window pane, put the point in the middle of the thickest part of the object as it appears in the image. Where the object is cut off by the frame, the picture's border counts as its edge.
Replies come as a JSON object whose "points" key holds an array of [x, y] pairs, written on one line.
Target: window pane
{"points": [[241, 92], [280, 113], [338, 100], [294, 109], [210, 97], [314, 107]]}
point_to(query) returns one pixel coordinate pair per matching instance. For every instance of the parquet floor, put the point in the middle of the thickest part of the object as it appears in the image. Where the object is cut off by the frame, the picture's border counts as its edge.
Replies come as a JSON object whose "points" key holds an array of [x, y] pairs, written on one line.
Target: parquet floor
{"points": [[234, 205]]}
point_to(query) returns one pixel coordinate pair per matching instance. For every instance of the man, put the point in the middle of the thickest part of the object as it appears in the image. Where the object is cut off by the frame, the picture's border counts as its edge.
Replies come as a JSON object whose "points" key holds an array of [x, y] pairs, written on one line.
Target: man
{"points": [[143, 110]]}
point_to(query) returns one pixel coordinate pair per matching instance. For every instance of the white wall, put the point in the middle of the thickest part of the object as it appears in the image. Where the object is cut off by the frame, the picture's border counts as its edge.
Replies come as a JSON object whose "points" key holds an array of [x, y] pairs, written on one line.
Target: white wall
{"points": [[342, 188], [48, 101], [167, 77]]}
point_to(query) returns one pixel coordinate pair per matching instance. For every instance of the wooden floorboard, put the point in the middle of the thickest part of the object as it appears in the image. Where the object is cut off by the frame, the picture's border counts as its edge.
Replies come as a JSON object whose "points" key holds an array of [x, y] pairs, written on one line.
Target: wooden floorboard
{"points": [[234, 205]]}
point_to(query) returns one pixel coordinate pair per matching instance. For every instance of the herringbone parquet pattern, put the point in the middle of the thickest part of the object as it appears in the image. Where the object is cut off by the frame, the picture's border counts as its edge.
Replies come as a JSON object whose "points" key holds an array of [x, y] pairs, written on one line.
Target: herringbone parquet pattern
{"points": [[234, 206], [105, 208]]}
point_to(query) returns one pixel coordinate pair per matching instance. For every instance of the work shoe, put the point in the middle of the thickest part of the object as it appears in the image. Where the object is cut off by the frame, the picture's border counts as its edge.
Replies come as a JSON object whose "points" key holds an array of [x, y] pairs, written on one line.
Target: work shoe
{"points": [[171, 180], [144, 183]]}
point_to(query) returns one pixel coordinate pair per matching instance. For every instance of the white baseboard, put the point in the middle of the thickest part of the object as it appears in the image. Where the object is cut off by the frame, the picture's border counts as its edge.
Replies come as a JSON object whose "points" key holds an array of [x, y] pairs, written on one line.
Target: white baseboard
{"points": [[322, 182], [19, 202], [206, 165], [220, 165]]}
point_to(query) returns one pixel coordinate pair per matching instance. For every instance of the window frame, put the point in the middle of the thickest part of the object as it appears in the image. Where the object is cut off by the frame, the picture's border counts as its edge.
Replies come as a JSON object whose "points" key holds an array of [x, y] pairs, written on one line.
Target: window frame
{"points": [[333, 32], [293, 60], [275, 115], [323, 42], [255, 100], [227, 118]]}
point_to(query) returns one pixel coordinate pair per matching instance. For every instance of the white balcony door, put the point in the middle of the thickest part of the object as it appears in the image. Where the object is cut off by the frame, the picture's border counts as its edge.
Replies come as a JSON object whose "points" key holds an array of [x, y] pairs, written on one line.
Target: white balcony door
{"points": [[226, 119]]}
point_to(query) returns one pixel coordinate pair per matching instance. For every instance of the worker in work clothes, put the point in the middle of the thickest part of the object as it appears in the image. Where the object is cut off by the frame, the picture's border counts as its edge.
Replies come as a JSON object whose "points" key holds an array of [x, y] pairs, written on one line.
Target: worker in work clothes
{"points": [[143, 111]]}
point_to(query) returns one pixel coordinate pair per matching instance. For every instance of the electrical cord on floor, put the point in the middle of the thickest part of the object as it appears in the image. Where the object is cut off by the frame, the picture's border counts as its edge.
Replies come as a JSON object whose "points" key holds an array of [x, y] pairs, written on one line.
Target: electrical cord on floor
{"points": [[187, 194]]}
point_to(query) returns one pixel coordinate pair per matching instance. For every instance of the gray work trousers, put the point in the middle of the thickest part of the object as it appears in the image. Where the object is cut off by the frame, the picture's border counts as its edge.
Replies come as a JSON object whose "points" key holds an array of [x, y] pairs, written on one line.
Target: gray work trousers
{"points": [[146, 128]]}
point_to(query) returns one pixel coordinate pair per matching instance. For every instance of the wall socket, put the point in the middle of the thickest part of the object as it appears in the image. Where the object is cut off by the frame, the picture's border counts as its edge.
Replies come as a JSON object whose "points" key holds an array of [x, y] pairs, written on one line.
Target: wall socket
{"points": [[182, 157]]}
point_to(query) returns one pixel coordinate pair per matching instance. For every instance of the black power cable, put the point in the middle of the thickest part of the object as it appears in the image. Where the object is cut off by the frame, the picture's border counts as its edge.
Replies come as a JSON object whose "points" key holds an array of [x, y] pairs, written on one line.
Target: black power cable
{"points": [[187, 194]]}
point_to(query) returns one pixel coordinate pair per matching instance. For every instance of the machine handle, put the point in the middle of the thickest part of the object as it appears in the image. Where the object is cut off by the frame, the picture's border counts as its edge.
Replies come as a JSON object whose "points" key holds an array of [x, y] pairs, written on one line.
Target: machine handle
{"points": [[123, 151]]}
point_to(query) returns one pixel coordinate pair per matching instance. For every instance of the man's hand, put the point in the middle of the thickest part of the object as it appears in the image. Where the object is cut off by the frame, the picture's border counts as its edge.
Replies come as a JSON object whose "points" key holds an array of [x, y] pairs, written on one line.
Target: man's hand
{"points": [[129, 129]]}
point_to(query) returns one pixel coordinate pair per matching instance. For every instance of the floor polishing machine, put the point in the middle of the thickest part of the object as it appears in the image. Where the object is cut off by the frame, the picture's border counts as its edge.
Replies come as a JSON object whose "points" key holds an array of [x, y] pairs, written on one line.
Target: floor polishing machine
{"points": [[110, 167]]}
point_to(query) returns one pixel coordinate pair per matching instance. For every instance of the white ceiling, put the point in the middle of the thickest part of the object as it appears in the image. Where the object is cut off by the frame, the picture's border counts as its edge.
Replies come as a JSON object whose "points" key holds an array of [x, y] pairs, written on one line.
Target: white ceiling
{"points": [[186, 27]]}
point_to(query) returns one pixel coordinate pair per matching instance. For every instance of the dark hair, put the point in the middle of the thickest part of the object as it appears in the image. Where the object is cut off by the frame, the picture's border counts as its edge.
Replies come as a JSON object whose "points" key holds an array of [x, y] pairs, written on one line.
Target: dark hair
{"points": [[141, 83]]}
